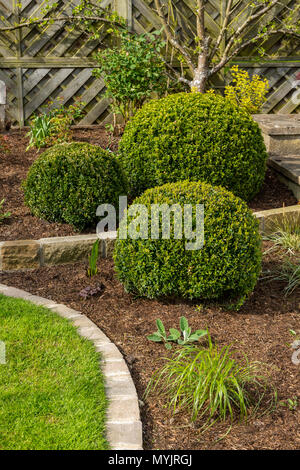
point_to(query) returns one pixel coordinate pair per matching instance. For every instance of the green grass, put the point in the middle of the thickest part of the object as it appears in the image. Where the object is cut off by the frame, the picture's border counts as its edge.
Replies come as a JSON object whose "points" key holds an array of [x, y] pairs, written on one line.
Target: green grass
{"points": [[209, 383], [51, 388], [285, 233]]}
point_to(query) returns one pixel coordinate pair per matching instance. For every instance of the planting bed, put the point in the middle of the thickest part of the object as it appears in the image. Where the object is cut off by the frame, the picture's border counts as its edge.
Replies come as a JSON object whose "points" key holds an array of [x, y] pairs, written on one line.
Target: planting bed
{"points": [[15, 164], [260, 329]]}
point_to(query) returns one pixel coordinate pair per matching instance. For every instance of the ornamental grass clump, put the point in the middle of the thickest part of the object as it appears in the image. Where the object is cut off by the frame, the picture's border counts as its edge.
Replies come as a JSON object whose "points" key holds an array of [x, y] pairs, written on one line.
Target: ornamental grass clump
{"points": [[200, 137], [69, 181], [210, 384], [228, 264]]}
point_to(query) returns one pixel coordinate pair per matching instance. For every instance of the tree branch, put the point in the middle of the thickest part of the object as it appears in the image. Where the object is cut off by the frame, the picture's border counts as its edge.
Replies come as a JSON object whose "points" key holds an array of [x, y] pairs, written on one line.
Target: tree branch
{"points": [[236, 51], [66, 19], [172, 40]]}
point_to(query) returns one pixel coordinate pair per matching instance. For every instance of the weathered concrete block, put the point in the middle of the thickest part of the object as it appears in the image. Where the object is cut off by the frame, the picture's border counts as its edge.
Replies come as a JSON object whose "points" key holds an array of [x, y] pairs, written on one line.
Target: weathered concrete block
{"points": [[20, 254], [268, 218], [61, 250], [66, 312], [123, 409], [281, 132], [129, 434]]}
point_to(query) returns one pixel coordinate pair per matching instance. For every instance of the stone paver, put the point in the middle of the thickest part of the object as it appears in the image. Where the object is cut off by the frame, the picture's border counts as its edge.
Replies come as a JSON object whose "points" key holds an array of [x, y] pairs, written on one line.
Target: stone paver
{"points": [[123, 426]]}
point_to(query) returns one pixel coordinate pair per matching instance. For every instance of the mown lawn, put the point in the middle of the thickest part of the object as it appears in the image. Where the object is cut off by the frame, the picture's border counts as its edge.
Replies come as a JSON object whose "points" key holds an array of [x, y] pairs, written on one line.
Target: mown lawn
{"points": [[51, 388]]}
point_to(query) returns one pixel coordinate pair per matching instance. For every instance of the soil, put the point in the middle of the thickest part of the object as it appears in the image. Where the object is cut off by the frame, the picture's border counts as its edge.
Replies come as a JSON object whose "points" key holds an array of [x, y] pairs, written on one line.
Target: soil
{"points": [[260, 329], [15, 163]]}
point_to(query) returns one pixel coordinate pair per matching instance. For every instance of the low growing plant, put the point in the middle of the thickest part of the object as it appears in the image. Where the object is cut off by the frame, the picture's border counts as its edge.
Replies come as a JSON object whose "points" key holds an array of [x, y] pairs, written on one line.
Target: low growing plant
{"points": [[3, 215], [175, 335], [285, 233], [290, 403], [53, 125], [93, 259], [290, 274], [210, 384], [249, 93]]}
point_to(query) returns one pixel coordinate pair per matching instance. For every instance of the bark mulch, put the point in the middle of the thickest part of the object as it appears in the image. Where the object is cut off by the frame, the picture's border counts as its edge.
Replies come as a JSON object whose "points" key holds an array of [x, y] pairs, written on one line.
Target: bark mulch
{"points": [[15, 163], [260, 329]]}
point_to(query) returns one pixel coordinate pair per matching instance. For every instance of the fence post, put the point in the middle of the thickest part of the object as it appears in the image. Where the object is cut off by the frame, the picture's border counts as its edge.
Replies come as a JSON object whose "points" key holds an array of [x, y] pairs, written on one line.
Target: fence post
{"points": [[2, 104], [124, 9], [19, 70]]}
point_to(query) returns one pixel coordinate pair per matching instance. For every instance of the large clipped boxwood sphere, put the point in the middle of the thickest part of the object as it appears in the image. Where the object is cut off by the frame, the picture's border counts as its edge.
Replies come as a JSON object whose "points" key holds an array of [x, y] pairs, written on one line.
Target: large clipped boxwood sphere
{"points": [[226, 267], [69, 181], [200, 137]]}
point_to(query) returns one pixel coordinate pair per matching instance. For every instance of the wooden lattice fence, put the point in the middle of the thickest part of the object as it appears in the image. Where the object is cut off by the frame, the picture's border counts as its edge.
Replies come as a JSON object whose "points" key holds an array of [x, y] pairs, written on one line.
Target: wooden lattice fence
{"points": [[38, 64]]}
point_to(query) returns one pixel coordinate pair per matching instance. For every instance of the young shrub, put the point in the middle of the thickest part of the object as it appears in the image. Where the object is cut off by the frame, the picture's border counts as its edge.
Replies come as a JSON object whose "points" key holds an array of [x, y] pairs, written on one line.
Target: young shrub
{"points": [[53, 125], [69, 181], [228, 264], [132, 71], [200, 137], [3, 215], [249, 93], [210, 384]]}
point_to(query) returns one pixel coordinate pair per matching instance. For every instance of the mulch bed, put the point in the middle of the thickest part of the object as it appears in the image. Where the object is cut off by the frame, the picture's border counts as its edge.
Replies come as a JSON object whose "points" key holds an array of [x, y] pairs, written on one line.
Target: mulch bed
{"points": [[15, 164], [260, 329]]}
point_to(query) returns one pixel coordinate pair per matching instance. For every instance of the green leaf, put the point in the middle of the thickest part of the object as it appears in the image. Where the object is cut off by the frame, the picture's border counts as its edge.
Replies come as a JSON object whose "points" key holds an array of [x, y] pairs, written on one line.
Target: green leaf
{"points": [[161, 328], [155, 337], [168, 346], [183, 324], [174, 333], [200, 333]]}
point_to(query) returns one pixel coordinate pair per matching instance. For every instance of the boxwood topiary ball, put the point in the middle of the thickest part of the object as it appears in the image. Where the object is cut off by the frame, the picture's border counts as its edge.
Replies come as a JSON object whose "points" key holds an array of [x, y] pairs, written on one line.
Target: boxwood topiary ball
{"points": [[194, 136], [227, 266], [69, 181]]}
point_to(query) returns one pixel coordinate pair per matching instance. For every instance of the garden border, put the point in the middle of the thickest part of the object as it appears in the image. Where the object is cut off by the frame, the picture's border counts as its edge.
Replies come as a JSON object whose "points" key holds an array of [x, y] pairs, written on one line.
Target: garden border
{"points": [[123, 424], [32, 254]]}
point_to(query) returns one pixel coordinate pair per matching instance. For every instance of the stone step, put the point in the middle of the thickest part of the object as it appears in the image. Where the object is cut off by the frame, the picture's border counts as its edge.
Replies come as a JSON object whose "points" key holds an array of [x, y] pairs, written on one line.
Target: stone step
{"points": [[288, 170], [281, 133]]}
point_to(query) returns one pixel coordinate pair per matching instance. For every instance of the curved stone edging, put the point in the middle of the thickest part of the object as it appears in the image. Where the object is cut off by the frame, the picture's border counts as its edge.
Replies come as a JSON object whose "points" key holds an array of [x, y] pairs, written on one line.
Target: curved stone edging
{"points": [[123, 425], [31, 254]]}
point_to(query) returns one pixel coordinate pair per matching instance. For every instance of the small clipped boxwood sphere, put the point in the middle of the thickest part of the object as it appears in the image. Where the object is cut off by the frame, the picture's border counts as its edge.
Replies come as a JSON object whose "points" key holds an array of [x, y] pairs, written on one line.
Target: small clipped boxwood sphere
{"points": [[200, 137], [226, 267], [69, 181]]}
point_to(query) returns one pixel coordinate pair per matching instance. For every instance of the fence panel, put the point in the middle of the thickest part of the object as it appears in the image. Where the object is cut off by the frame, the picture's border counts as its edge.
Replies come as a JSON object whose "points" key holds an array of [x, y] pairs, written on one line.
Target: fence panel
{"points": [[42, 63]]}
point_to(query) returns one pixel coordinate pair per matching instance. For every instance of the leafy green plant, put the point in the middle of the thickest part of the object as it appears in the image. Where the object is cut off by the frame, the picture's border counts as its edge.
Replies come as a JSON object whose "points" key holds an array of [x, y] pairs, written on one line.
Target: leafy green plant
{"points": [[290, 403], [249, 93], [39, 131], [3, 215], [210, 384], [164, 267], [197, 137], [175, 335], [133, 71], [53, 125], [290, 274], [284, 232], [93, 259], [67, 183]]}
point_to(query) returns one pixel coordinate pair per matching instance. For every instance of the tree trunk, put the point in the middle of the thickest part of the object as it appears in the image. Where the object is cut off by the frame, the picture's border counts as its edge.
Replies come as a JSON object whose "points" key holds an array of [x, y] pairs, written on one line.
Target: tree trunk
{"points": [[199, 81], [201, 73]]}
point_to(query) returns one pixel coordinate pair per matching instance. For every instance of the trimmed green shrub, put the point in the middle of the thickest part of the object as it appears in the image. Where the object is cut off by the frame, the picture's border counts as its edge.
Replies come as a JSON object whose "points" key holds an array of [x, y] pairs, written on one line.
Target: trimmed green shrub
{"points": [[226, 267], [69, 181], [200, 137]]}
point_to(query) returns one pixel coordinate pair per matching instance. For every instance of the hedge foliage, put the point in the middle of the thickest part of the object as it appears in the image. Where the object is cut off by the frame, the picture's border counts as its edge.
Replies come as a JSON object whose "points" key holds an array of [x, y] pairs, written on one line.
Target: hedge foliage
{"points": [[200, 137], [69, 181], [228, 265]]}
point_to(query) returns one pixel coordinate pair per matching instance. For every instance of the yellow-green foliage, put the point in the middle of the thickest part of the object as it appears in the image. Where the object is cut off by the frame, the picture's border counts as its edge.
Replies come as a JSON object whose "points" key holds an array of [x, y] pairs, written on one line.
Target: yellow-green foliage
{"points": [[195, 136], [68, 182], [246, 92]]}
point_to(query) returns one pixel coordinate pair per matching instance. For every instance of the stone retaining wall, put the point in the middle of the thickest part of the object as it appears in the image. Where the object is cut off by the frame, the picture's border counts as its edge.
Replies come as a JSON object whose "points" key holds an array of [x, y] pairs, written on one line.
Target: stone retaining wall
{"points": [[31, 254]]}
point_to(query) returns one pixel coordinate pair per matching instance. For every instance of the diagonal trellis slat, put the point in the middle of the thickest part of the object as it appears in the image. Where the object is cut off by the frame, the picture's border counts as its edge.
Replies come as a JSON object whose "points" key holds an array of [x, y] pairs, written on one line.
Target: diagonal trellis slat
{"points": [[49, 62]]}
